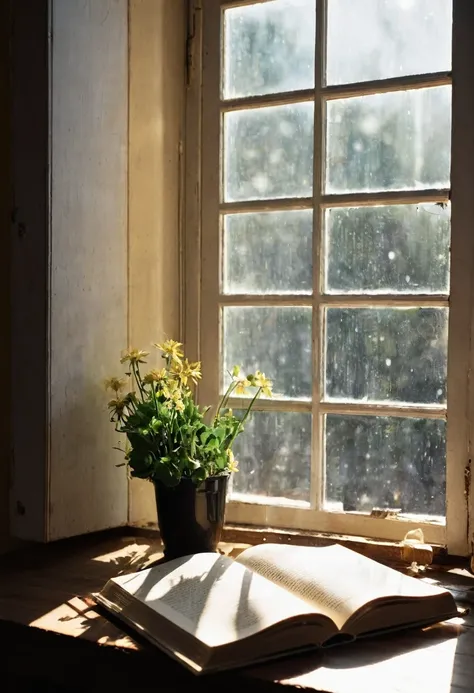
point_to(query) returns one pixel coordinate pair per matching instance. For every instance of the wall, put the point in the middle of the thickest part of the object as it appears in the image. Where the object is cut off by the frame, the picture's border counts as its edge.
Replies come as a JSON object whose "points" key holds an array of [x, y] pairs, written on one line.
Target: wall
{"points": [[5, 210], [69, 262], [88, 291], [157, 61], [86, 241]]}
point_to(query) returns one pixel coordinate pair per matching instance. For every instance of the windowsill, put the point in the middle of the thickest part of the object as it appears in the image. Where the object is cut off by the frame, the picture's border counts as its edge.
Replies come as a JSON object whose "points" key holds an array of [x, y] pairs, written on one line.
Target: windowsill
{"points": [[389, 552]]}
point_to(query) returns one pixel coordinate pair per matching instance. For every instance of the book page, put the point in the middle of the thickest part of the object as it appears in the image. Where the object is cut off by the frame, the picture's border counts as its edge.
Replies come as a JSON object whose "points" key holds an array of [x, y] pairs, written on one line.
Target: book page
{"points": [[332, 578], [212, 597]]}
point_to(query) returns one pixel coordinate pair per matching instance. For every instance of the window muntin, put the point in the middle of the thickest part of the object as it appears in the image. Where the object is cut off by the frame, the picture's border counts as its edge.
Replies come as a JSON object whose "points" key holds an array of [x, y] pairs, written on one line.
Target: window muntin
{"points": [[322, 203]]}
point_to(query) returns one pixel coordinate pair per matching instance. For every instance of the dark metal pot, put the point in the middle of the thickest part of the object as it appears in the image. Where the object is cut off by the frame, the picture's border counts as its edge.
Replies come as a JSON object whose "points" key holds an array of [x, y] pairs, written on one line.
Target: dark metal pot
{"points": [[191, 516]]}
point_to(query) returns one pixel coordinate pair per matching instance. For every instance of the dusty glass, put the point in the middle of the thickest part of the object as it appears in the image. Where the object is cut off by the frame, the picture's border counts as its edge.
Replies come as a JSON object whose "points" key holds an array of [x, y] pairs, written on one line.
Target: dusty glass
{"points": [[379, 39], [269, 47], [396, 249], [274, 457], [393, 141], [274, 339], [268, 152], [382, 462], [268, 253], [386, 354]]}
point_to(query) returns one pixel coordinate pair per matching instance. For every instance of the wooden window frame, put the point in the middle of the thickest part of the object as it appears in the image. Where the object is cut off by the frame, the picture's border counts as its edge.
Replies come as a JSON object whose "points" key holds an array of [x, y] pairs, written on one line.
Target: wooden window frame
{"points": [[201, 258]]}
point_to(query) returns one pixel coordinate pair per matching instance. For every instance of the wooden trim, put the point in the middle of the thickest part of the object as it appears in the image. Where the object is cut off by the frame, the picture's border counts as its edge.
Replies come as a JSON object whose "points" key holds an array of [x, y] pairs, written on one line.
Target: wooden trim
{"points": [[266, 100], [317, 480], [460, 500], [339, 91], [192, 234], [266, 300], [309, 519], [386, 300], [396, 197], [290, 405], [380, 409], [355, 408], [359, 199], [383, 551], [273, 205], [250, 535], [337, 300], [210, 198], [384, 86]]}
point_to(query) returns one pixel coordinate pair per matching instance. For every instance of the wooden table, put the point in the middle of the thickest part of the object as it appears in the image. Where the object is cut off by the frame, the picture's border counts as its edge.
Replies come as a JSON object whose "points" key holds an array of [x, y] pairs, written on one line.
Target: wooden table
{"points": [[48, 587]]}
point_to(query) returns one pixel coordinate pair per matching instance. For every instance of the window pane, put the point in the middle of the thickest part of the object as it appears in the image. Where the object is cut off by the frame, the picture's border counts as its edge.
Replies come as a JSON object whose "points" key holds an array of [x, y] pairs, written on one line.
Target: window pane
{"points": [[269, 48], [268, 253], [393, 141], [386, 354], [268, 152], [396, 249], [274, 456], [377, 39], [276, 340], [386, 462]]}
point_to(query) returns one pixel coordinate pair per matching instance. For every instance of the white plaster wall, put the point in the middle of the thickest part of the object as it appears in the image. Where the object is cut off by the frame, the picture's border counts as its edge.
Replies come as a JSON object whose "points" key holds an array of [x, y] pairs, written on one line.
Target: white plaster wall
{"points": [[88, 260]]}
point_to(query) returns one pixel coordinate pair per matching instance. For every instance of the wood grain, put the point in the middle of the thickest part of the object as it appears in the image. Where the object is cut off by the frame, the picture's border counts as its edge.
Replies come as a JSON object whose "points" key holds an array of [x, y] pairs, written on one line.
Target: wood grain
{"points": [[49, 587]]}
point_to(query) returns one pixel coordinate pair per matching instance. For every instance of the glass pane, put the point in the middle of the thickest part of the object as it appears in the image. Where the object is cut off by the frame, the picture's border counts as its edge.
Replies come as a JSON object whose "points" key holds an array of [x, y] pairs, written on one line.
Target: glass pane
{"points": [[392, 249], [389, 462], [268, 152], [386, 354], [276, 340], [377, 39], [274, 456], [269, 48], [393, 141], [268, 253]]}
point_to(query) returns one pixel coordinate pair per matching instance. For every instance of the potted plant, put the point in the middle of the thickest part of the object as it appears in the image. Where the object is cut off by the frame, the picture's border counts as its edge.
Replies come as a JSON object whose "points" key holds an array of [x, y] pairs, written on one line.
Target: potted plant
{"points": [[178, 446]]}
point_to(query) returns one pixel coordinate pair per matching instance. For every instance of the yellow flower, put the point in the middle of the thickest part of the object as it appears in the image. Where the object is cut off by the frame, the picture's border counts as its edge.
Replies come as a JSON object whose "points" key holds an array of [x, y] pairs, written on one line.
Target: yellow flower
{"points": [[171, 390], [171, 350], [264, 383], [232, 465], [155, 376], [242, 382], [134, 356], [185, 370], [115, 384], [194, 371], [179, 405], [117, 406], [241, 387]]}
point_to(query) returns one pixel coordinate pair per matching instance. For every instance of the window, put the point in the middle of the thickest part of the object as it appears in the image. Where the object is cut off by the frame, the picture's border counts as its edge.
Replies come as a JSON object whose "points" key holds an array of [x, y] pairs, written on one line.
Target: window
{"points": [[335, 258]]}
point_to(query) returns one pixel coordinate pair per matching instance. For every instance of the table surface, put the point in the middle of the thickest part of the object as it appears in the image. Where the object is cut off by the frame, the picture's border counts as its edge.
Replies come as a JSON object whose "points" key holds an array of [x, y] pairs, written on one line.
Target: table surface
{"points": [[49, 587]]}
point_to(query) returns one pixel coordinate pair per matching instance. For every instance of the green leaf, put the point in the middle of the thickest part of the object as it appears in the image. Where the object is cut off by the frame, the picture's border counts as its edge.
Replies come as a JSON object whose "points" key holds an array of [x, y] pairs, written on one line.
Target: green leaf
{"points": [[220, 433], [200, 474], [204, 437]]}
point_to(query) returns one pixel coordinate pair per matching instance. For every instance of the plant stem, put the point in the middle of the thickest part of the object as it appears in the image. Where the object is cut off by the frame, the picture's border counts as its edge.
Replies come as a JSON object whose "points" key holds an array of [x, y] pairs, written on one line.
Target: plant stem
{"points": [[225, 399], [240, 427], [154, 400], [138, 379]]}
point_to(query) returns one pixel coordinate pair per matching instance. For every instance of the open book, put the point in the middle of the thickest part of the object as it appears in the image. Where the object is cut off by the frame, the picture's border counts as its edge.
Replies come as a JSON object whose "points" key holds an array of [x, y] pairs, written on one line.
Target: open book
{"points": [[212, 612]]}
